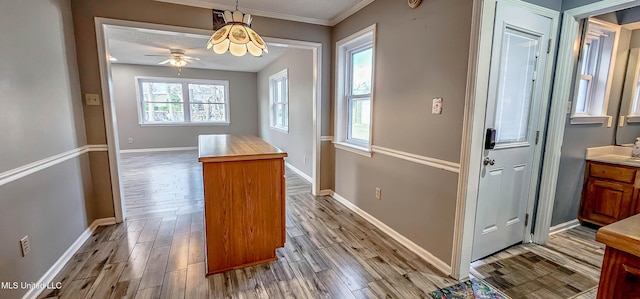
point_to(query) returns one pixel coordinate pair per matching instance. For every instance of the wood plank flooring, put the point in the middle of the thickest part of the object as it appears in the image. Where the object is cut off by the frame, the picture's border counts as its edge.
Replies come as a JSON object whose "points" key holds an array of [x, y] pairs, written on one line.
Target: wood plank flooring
{"points": [[330, 251]]}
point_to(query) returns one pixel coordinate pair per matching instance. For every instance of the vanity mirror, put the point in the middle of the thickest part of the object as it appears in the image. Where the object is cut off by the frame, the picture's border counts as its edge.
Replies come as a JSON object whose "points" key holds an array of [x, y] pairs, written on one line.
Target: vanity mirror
{"points": [[628, 123]]}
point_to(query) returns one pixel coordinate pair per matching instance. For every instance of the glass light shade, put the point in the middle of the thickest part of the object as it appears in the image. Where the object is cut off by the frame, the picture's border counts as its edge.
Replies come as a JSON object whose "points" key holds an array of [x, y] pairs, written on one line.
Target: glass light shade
{"points": [[177, 62], [237, 37]]}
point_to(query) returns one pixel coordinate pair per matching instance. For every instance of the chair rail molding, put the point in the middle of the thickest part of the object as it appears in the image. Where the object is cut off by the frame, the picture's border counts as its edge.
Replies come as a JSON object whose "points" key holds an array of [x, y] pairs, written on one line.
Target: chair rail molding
{"points": [[428, 161], [22, 171]]}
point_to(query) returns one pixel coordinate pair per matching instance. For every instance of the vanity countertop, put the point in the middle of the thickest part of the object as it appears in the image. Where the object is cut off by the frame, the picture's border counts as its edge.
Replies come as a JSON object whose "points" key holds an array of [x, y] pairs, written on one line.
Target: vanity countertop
{"points": [[620, 155]]}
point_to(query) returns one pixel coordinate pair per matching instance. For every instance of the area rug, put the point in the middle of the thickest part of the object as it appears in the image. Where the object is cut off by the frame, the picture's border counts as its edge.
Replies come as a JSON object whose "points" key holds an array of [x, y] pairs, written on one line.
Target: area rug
{"points": [[470, 289], [530, 275]]}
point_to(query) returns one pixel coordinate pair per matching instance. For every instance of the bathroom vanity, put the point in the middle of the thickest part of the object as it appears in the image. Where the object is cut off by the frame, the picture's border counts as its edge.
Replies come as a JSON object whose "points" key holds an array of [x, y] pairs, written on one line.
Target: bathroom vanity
{"points": [[611, 190]]}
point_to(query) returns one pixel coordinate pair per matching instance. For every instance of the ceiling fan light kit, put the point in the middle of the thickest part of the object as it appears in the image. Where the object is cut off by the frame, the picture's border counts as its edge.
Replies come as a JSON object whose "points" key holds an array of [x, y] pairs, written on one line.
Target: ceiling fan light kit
{"points": [[237, 37]]}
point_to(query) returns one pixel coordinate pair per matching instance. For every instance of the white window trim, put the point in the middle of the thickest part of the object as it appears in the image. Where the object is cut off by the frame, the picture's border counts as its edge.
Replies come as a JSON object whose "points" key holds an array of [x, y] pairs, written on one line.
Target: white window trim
{"points": [[361, 37], [585, 118], [284, 74], [185, 94]]}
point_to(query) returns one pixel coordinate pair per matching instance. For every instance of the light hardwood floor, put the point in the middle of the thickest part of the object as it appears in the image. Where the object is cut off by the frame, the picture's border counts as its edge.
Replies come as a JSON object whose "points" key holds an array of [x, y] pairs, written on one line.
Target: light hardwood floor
{"points": [[330, 251]]}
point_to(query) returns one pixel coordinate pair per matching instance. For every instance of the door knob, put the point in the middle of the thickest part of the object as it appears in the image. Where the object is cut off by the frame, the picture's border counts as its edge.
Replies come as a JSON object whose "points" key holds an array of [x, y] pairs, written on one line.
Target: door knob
{"points": [[489, 161]]}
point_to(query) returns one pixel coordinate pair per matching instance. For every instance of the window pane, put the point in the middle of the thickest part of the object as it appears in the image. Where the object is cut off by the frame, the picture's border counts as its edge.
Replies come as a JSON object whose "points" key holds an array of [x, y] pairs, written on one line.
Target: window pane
{"points": [[359, 119], [515, 88], [163, 112], [586, 52], [207, 113], [583, 93], [279, 115], [361, 71], [162, 92], [206, 93]]}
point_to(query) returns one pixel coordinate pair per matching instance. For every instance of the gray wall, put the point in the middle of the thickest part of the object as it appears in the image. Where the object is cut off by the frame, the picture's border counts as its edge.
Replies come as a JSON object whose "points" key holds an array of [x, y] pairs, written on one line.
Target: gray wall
{"points": [[41, 117], [84, 12], [417, 201], [569, 4], [242, 101], [577, 138], [298, 142]]}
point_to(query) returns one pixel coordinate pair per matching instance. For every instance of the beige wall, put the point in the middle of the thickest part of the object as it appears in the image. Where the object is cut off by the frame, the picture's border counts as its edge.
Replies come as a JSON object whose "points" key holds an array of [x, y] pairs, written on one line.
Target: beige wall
{"points": [[243, 107], [421, 54], [41, 117], [298, 141], [84, 12]]}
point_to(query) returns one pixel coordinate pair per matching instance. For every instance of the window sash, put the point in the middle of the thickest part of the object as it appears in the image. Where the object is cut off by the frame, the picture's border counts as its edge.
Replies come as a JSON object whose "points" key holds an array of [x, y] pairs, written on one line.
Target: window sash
{"points": [[279, 100], [592, 80], [350, 100]]}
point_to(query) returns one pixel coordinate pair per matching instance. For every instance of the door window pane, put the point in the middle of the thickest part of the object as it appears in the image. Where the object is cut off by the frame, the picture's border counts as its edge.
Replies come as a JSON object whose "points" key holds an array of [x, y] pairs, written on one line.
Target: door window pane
{"points": [[515, 88]]}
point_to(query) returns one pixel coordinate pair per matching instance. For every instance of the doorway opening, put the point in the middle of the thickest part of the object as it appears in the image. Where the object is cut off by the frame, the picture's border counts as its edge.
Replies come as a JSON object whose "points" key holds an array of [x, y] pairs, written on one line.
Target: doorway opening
{"points": [[154, 108]]}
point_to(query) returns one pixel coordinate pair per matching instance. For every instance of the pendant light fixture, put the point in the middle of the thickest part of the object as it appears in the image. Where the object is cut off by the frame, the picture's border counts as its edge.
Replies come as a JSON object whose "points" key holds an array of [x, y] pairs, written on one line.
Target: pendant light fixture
{"points": [[236, 36]]}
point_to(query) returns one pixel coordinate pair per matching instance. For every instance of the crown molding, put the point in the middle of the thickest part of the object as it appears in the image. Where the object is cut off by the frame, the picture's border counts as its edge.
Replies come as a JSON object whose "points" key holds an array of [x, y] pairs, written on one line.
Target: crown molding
{"points": [[270, 14], [347, 13]]}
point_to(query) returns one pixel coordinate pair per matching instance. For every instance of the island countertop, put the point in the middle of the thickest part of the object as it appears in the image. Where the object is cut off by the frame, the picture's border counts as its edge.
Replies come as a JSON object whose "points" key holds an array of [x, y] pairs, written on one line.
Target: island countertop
{"points": [[224, 147], [623, 235]]}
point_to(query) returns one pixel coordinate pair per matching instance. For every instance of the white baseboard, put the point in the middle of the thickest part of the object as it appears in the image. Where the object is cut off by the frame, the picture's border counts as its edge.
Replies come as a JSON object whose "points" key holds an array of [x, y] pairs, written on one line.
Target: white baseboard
{"points": [[326, 192], [299, 172], [421, 252], [159, 149], [50, 275], [563, 227]]}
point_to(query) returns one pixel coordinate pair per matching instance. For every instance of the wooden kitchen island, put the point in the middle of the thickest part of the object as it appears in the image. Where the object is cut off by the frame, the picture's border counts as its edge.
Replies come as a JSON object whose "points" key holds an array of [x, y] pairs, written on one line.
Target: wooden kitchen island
{"points": [[244, 200], [620, 276]]}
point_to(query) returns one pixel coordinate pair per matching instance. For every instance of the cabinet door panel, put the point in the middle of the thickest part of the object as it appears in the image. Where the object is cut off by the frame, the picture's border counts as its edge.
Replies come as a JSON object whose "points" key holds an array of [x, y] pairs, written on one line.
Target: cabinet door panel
{"points": [[606, 202]]}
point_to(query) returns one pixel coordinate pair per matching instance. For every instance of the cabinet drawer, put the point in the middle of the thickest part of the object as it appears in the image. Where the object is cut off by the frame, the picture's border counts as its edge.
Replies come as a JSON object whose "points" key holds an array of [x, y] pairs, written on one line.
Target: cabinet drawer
{"points": [[614, 173]]}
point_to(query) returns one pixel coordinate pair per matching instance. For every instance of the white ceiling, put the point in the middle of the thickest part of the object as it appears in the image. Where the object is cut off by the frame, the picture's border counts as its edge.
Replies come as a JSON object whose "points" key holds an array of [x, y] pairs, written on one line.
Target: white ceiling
{"points": [[323, 12], [131, 45]]}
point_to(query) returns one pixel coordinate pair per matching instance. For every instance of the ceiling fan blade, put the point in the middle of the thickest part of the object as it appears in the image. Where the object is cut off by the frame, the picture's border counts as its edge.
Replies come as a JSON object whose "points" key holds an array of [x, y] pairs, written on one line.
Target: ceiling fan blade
{"points": [[154, 55], [192, 58], [164, 62]]}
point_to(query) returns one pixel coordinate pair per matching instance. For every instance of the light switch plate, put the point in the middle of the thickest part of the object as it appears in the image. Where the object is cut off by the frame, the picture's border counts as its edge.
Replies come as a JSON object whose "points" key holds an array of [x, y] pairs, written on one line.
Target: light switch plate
{"points": [[621, 121], [92, 99], [436, 108]]}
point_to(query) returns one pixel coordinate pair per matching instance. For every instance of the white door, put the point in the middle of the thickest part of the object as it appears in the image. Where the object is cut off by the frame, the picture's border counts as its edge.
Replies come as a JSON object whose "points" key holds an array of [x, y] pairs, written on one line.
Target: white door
{"points": [[518, 59]]}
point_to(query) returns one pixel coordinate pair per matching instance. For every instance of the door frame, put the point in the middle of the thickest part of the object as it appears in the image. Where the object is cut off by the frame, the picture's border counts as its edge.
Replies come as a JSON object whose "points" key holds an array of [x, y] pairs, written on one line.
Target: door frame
{"points": [[109, 105], [484, 13], [563, 86]]}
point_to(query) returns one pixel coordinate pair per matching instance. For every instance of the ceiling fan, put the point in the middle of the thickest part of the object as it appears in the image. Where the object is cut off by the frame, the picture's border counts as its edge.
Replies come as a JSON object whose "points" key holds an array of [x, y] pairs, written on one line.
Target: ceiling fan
{"points": [[177, 58]]}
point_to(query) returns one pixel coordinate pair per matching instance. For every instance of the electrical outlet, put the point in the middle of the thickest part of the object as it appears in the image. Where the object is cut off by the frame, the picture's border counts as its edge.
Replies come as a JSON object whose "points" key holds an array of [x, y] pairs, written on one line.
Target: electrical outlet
{"points": [[436, 107], [130, 140], [25, 246], [92, 99], [378, 193]]}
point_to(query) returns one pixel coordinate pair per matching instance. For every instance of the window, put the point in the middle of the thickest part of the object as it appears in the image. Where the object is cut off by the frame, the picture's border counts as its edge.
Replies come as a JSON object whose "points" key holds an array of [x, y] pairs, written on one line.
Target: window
{"points": [[279, 100], [354, 85], [169, 101], [596, 63]]}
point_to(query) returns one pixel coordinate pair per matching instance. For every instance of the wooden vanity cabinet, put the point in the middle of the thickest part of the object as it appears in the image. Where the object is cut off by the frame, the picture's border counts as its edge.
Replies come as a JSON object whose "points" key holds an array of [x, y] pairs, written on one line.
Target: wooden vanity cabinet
{"points": [[611, 193]]}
